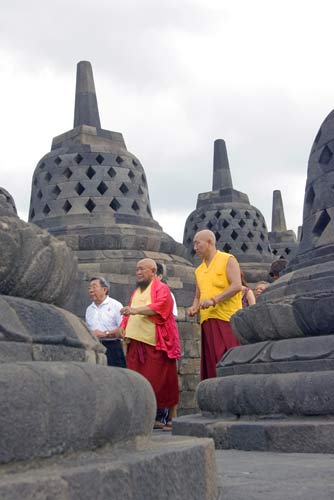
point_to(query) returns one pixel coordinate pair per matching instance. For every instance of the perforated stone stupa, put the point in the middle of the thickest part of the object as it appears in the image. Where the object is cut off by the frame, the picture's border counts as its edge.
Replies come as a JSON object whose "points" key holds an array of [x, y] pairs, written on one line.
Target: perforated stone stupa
{"points": [[239, 227], [90, 191], [282, 241], [275, 391]]}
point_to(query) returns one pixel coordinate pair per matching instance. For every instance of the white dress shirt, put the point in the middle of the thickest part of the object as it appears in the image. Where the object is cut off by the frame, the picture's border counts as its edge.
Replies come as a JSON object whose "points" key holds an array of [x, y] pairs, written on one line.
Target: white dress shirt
{"points": [[105, 316]]}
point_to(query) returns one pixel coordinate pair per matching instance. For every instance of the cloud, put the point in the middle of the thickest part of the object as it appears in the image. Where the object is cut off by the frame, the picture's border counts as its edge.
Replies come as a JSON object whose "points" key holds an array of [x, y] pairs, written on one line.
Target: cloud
{"points": [[172, 76]]}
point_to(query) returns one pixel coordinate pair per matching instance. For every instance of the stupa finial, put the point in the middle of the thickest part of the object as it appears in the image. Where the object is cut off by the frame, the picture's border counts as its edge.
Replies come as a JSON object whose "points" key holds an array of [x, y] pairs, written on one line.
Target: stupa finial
{"points": [[221, 169], [86, 111]]}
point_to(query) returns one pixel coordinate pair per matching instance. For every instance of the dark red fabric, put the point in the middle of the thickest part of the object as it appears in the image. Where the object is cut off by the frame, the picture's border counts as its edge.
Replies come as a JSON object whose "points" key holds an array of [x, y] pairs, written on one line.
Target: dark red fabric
{"points": [[158, 369], [217, 337], [166, 332]]}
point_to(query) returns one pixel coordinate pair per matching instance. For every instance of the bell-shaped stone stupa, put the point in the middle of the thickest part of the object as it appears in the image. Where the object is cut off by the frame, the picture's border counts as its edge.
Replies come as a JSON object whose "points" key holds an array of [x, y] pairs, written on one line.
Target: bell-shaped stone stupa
{"points": [[92, 192], [239, 227], [277, 390], [282, 241]]}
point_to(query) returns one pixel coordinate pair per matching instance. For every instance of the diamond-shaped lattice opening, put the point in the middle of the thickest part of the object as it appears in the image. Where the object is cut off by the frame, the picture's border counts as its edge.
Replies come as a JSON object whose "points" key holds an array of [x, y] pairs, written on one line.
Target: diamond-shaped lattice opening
{"points": [[67, 172], [191, 218], [233, 213], [119, 160], [131, 175], [264, 226], [78, 158], [42, 165], [58, 160], [189, 241], [262, 236], [259, 248], [202, 216], [326, 155], [209, 225], [39, 194], [275, 252], [195, 227], [32, 214], [124, 188], [247, 214], [102, 188], [250, 235], [140, 191], [35, 181], [67, 206], [217, 214], [56, 191], [46, 209], [111, 172], [227, 248], [79, 188], [115, 205], [257, 215], [143, 178], [241, 223], [148, 210], [322, 223], [234, 235], [244, 247], [90, 172], [135, 163], [99, 159], [225, 224], [48, 177], [90, 205], [255, 224], [310, 195], [135, 206], [217, 235], [287, 251]]}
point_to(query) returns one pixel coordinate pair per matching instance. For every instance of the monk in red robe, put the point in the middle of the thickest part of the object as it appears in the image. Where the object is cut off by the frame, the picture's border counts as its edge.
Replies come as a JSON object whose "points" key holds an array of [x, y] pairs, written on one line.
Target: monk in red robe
{"points": [[150, 328]]}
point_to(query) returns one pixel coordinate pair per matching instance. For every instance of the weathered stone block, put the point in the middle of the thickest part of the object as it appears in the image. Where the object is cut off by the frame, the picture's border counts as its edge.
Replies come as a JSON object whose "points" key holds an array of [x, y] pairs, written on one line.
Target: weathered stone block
{"points": [[189, 366], [42, 352]]}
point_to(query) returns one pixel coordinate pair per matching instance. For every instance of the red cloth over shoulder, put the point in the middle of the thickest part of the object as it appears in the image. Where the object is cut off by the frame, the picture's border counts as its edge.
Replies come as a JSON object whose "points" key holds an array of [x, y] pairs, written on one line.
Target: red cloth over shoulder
{"points": [[166, 332]]}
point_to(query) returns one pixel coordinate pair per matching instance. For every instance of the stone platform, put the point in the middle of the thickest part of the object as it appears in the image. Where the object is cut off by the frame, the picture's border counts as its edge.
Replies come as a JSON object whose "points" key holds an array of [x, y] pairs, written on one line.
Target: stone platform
{"points": [[171, 467], [244, 475], [289, 435]]}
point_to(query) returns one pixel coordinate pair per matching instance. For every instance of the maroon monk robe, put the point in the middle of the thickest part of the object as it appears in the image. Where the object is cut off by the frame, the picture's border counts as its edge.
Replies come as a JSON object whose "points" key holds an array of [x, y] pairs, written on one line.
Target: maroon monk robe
{"points": [[158, 363]]}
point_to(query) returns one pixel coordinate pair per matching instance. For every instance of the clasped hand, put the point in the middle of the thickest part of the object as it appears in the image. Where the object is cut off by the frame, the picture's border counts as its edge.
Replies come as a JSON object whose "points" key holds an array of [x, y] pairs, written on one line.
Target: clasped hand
{"points": [[127, 311]]}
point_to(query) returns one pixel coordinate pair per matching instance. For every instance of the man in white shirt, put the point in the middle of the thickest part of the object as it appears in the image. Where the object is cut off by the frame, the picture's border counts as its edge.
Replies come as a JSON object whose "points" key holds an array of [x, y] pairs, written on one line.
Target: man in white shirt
{"points": [[103, 318]]}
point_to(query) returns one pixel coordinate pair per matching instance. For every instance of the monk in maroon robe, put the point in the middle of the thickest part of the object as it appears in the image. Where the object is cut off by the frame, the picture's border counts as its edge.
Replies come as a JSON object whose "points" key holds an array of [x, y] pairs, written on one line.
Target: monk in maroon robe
{"points": [[150, 329]]}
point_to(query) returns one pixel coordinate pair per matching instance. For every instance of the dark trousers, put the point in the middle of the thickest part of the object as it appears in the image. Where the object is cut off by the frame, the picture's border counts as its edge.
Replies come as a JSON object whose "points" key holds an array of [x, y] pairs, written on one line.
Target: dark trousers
{"points": [[115, 354]]}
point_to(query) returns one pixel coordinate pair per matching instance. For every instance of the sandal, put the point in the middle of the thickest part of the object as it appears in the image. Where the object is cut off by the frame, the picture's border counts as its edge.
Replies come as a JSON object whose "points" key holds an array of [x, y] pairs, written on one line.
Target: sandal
{"points": [[168, 426], [158, 425]]}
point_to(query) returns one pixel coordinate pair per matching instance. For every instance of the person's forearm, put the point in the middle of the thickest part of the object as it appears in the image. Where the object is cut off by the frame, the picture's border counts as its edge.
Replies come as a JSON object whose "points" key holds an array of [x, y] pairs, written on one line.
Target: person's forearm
{"points": [[195, 303], [144, 310], [131, 311], [229, 292]]}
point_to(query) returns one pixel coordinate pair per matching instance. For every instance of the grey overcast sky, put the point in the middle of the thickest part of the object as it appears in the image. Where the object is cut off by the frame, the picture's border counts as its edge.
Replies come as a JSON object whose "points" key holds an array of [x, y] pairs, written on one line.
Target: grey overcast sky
{"points": [[173, 76]]}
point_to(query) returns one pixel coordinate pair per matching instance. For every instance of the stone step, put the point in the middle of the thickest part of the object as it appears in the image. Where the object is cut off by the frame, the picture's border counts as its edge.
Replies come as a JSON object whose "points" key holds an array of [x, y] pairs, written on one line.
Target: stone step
{"points": [[288, 435], [164, 468]]}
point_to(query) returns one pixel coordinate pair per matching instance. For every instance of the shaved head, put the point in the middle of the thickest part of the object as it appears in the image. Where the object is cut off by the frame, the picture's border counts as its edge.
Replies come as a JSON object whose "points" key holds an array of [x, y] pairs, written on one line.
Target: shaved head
{"points": [[149, 263], [206, 235], [145, 272], [205, 244]]}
